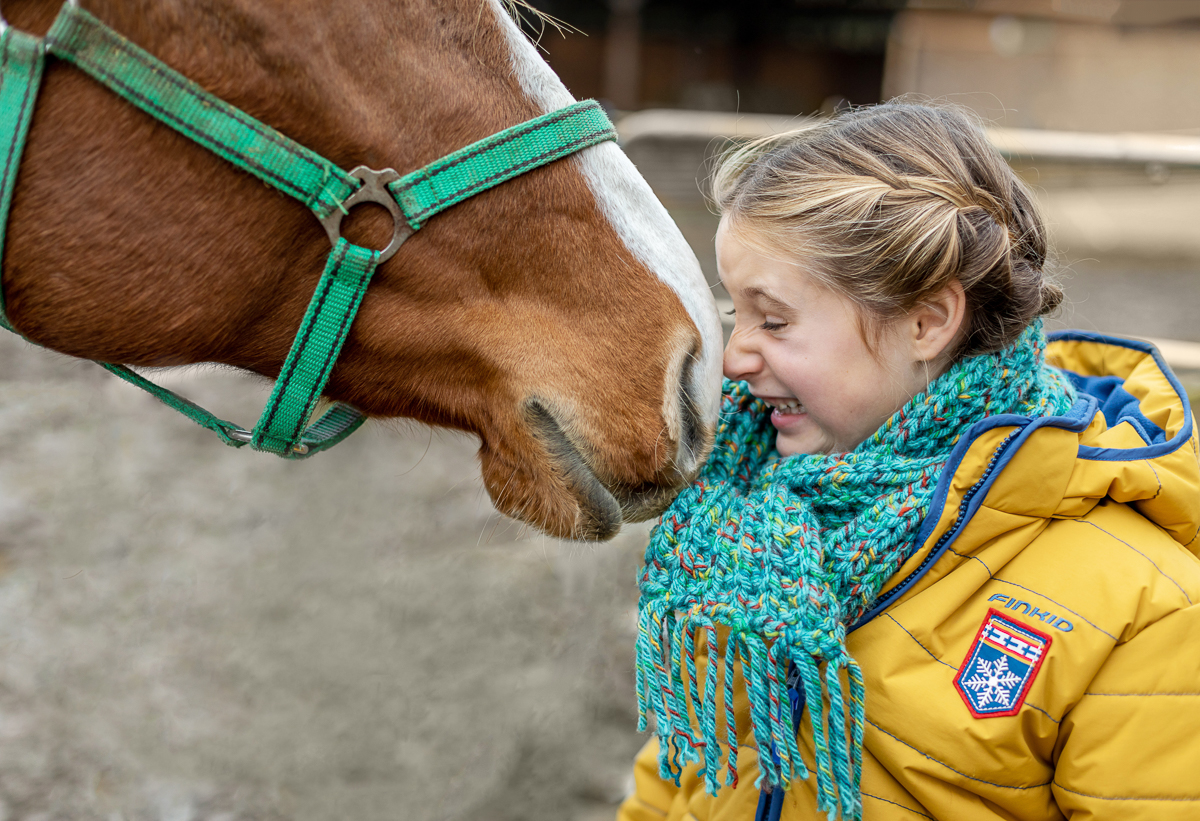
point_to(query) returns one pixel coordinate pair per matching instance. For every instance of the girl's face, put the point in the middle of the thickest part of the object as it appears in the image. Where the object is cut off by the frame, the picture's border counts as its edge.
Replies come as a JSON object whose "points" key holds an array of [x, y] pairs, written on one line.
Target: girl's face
{"points": [[798, 345]]}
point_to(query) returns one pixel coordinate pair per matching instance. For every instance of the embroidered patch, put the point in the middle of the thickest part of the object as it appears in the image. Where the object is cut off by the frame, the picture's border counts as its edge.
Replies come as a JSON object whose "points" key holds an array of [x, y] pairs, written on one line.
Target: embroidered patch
{"points": [[1000, 666]]}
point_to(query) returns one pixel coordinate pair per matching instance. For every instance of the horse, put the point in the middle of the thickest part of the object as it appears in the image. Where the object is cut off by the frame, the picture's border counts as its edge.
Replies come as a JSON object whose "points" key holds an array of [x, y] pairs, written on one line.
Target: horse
{"points": [[560, 317]]}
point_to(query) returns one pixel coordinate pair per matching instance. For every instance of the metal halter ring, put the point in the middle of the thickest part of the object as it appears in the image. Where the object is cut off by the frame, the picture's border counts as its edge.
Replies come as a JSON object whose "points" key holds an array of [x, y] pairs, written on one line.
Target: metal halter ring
{"points": [[373, 189]]}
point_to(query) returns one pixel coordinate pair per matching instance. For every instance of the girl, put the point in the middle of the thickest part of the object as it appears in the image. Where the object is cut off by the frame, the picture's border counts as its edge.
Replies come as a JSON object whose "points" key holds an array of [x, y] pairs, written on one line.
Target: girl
{"points": [[934, 567]]}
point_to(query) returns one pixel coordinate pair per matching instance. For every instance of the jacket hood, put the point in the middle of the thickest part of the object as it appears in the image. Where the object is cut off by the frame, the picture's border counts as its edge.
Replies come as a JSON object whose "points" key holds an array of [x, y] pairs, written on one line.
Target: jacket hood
{"points": [[1130, 438], [1141, 446]]}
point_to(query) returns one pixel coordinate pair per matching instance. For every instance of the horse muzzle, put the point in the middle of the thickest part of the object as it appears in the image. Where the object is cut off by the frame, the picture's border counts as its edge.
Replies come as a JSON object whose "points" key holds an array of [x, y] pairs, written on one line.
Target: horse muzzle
{"points": [[604, 504]]}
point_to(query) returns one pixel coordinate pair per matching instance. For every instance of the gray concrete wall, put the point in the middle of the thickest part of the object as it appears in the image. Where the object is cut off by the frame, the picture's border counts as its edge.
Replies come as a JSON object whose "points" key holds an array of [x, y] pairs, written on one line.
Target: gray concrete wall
{"points": [[1034, 71]]}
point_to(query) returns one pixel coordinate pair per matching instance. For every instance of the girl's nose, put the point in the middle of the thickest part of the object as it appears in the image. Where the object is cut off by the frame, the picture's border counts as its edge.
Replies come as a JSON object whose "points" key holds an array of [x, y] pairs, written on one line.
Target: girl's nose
{"points": [[741, 361]]}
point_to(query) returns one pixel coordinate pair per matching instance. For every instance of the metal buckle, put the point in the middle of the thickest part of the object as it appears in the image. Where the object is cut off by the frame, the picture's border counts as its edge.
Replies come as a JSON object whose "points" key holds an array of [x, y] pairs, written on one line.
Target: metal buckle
{"points": [[373, 189], [239, 435]]}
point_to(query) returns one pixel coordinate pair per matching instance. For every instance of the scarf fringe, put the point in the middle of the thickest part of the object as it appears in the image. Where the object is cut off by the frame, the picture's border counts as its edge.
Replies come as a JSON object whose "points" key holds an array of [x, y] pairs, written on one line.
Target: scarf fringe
{"points": [[686, 722]]}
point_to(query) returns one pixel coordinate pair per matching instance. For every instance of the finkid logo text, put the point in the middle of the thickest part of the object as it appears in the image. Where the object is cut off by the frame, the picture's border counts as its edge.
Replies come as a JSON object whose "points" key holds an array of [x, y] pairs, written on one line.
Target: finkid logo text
{"points": [[1025, 607]]}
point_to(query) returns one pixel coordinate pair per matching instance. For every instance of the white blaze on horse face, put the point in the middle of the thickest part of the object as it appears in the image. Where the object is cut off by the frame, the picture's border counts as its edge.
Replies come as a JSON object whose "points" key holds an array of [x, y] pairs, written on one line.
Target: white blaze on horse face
{"points": [[639, 219]]}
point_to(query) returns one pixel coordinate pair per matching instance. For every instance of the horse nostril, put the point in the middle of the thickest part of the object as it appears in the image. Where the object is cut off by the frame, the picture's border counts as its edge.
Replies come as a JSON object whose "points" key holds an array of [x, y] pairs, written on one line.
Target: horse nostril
{"points": [[691, 430]]}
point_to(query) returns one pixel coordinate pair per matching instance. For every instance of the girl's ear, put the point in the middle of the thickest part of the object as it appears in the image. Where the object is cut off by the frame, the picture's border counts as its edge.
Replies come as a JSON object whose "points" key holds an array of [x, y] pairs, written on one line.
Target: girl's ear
{"points": [[935, 324]]}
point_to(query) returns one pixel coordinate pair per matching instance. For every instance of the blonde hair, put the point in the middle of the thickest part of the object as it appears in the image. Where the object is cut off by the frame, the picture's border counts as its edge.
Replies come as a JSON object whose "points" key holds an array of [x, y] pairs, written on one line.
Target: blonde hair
{"points": [[888, 205]]}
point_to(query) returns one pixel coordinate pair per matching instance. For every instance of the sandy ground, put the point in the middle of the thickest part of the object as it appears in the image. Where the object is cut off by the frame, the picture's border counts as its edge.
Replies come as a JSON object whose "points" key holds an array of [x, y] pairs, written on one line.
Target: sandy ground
{"points": [[194, 633]]}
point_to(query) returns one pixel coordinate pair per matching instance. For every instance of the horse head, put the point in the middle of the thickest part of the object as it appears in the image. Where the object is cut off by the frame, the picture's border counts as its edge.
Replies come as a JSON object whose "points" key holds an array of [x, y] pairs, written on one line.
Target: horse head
{"points": [[560, 317]]}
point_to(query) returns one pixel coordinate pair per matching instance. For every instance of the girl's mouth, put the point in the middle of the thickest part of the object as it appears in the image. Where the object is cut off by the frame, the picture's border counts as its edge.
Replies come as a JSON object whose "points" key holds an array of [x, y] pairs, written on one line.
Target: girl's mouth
{"points": [[785, 413]]}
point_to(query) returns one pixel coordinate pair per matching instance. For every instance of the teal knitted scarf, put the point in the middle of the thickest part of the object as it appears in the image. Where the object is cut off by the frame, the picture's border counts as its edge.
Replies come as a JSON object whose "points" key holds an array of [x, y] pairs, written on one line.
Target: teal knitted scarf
{"points": [[788, 553]]}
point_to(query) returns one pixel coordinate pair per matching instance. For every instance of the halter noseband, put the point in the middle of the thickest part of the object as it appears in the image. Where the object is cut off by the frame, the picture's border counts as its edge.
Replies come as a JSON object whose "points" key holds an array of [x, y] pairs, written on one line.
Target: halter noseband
{"points": [[329, 192]]}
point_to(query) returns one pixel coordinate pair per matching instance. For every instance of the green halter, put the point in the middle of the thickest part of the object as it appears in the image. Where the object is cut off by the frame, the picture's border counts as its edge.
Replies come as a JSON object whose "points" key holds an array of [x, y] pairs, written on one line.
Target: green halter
{"points": [[166, 95]]}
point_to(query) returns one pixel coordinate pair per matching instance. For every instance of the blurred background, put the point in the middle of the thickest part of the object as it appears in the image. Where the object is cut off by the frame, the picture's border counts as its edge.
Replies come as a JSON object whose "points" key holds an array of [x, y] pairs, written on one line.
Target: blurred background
{"points": [[1093, 101], [192, 633]]}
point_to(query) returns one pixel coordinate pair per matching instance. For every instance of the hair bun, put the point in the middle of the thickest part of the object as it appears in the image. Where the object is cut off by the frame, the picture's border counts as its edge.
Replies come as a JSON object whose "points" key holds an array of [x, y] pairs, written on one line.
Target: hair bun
{"points": [[1052, 296]]}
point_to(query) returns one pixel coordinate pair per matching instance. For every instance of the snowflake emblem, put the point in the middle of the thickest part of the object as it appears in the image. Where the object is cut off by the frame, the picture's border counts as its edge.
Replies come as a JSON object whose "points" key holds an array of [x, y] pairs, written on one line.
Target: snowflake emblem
{"points": [[1000, 666], [993, 682]]}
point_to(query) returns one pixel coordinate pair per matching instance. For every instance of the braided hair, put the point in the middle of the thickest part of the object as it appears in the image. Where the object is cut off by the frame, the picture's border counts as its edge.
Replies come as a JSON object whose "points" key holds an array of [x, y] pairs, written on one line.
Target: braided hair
{"points": [[889, 204]]}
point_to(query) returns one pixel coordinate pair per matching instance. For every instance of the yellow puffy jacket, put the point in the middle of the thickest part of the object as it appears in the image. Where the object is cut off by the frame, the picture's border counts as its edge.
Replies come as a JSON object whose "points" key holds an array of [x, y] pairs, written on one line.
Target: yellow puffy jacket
{"points": [[1039, 657]]}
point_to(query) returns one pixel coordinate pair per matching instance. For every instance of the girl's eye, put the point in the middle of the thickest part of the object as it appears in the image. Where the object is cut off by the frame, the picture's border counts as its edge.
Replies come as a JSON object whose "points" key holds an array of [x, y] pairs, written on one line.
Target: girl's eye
{"points": [[772, 325], [731, 312]]}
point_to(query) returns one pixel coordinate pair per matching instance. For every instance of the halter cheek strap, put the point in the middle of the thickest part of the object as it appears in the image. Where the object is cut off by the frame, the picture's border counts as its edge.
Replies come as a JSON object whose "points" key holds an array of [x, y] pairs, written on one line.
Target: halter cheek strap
{"points": [[20, 76], [143, 80]]}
